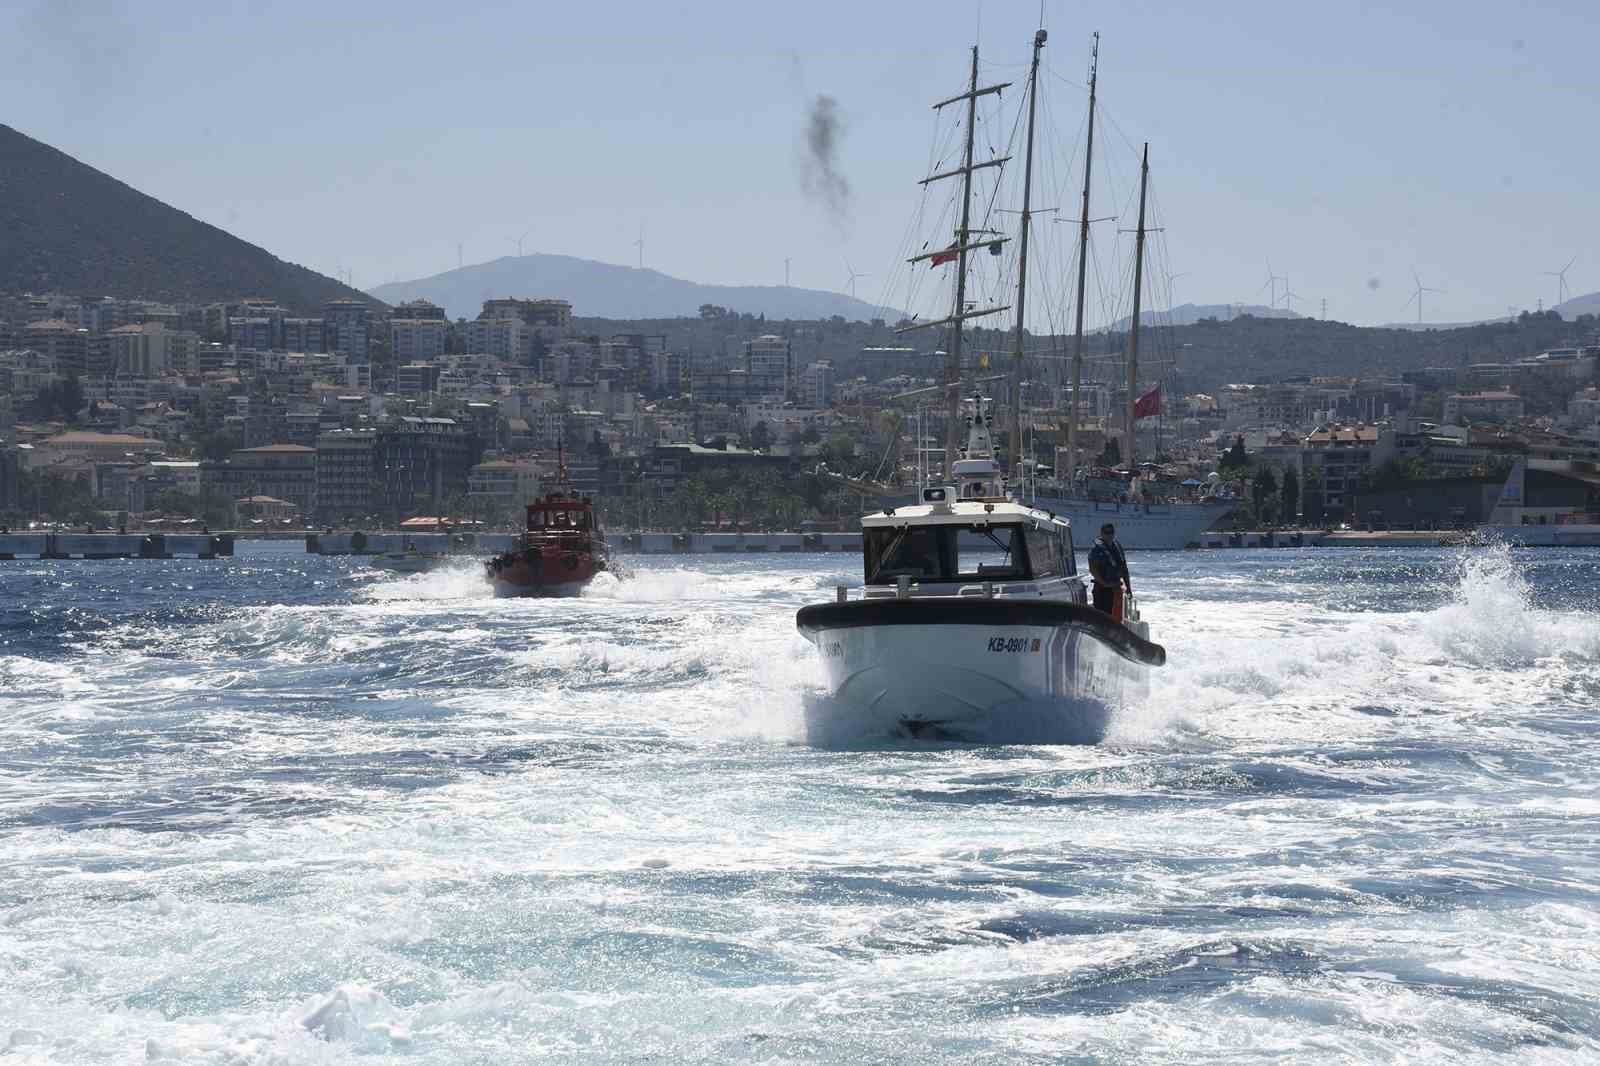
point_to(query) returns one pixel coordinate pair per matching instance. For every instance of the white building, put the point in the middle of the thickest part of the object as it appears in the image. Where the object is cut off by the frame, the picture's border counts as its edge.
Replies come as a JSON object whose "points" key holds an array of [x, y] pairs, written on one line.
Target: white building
{"points": [[1495, 405], [499, 337], [417, 340], [502, 485], [770, 364], [148, 351]]}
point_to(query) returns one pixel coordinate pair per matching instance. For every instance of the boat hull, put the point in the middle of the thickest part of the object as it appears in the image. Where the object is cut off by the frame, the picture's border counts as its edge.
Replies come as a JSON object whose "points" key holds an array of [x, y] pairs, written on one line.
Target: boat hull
{"points": [[532, 572], [948, 667]]}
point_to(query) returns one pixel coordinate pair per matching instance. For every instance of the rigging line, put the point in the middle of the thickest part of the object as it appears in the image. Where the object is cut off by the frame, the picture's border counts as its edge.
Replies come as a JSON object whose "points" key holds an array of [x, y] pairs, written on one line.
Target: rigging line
{"points": [[1067, 81]]}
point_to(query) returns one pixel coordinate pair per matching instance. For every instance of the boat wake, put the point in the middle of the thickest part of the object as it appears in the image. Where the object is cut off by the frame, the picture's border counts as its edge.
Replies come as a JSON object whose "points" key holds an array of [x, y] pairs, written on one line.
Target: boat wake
{"points": [[459, 579]]}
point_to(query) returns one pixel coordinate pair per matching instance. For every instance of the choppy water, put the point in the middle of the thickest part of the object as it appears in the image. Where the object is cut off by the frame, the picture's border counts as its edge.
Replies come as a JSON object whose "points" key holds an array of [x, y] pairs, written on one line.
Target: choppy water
{"points": [[283, 809]]}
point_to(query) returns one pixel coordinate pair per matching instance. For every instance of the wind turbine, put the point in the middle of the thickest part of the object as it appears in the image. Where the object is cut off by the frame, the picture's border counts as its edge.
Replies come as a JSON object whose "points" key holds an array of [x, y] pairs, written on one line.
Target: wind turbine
{"points": [[1272, 283], [1561, 280], [1417, 295], [850, 281], [640, 244], [1172, 301], [518, 240]]}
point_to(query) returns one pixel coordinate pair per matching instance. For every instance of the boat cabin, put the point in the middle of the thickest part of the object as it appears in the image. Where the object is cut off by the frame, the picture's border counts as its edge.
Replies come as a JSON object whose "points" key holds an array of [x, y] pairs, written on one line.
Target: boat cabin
{"points": [[967, 543], [560, 514]]}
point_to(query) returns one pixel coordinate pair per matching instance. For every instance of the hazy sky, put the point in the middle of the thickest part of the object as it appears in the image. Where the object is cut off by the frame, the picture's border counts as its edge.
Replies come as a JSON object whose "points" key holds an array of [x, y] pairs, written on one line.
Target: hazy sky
{"points": [[1345, 144]]}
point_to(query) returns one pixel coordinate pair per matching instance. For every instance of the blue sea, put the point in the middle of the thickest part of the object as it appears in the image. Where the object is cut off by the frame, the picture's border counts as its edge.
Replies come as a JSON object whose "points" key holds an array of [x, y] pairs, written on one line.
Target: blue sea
{"points": [[292, 809]]}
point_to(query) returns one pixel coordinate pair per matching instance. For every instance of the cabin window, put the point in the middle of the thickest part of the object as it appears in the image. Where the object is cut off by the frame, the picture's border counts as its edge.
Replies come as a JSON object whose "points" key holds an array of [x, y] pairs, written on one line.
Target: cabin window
{"points": [[1044, 553], [920, 553], [945, 553], [989, 553], [1069, 553]]}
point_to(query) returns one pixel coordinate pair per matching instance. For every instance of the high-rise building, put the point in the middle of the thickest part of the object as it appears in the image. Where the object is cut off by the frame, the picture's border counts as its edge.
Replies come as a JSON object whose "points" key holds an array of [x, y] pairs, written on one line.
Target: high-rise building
{"points": [[417, 339], [405, 467], [668, 373], [344, 324], [262, 334], [816, 386], [345, 468], [283, 471], [553, 313], [499, 337], [304, 335], [769, 363], [65, 344], [149, 351]]}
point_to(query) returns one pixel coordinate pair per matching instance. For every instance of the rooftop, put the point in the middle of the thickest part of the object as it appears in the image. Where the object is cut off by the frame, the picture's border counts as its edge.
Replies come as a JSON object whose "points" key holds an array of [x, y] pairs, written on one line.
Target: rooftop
{"points": [[86, 437]]}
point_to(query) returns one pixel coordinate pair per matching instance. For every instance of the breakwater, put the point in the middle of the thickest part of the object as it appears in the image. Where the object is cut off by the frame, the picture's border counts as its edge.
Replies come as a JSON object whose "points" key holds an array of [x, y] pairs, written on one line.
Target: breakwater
{"points": [[115, 545]]}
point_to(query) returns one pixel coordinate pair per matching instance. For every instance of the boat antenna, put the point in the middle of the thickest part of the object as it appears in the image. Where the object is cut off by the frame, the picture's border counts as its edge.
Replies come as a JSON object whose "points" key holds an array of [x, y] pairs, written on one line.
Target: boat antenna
{"points": [[1083, 264], [1133, 330], [1022, 264]]}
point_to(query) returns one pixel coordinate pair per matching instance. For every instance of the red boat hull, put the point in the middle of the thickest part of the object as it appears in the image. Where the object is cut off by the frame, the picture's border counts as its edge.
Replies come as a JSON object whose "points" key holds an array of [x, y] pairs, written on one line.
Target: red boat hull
{"points": [[543, 571]]}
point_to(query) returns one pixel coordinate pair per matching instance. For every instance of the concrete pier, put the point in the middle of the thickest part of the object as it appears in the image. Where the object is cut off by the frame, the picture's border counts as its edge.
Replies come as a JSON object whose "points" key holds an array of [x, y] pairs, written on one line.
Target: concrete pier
{"points": [[115, 545]]}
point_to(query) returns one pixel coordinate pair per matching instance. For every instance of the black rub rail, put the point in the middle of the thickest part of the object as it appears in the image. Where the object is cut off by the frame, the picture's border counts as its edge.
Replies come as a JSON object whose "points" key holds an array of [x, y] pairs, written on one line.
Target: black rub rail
{"points": [[980, 611]]}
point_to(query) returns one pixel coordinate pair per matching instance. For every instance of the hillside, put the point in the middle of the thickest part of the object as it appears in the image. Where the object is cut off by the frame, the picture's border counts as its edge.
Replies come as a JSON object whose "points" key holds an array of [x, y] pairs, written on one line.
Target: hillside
{"points": [[66, 227], [1189, 314], [1208, 354], [1579, 305], [1213, 353], [606, 290]]}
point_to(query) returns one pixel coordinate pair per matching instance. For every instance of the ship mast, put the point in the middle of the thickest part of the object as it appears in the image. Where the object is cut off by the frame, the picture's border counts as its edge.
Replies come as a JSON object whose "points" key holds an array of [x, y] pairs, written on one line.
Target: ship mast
{"points": [[1133, 330], [963, 244], [1083, 265], [1022, 264]]}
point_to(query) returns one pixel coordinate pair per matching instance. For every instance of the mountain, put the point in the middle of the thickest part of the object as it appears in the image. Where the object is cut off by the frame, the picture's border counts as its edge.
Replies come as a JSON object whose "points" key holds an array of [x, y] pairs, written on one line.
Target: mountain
{"points": [[1579, 305], [1189, 314], [66, 227], [606, 290]]}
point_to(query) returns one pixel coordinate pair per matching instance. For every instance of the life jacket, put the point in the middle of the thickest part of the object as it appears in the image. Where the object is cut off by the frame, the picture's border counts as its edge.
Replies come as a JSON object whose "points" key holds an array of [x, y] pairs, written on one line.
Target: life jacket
{"points": [[1108, 558]]}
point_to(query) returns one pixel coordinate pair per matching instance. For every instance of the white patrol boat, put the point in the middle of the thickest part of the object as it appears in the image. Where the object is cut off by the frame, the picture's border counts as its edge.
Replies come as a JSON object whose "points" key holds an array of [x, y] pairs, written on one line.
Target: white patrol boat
{"points": [[971, 603]]}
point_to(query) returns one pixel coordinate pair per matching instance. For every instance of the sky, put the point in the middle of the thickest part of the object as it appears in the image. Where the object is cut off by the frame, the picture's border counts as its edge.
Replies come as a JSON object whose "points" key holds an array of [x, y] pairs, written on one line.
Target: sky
{"points": [[1346, 145]]}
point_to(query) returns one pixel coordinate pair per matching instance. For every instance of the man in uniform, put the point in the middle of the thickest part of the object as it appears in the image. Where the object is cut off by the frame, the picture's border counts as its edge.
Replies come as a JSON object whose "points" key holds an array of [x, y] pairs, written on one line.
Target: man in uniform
{"points": [[1109, 568]]}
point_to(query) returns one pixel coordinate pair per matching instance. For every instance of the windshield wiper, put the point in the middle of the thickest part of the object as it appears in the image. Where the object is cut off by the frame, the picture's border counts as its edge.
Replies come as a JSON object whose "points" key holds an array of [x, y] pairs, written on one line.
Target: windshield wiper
{"points": [[888, 553]]}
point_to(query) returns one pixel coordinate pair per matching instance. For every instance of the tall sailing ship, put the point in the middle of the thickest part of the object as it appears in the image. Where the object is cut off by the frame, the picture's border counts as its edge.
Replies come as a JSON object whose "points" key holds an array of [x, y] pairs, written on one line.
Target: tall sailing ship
{"points": [[1147, 514]]}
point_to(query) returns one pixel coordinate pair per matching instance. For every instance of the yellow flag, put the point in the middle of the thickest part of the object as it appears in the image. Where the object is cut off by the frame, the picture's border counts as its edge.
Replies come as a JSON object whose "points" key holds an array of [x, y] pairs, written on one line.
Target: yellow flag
{"points": [[983, 360]]}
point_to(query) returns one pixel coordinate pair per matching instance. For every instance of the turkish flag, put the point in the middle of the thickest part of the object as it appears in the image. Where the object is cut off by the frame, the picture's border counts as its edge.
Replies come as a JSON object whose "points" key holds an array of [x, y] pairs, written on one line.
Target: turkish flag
{"points": [[1148, 404], [946, 257]]}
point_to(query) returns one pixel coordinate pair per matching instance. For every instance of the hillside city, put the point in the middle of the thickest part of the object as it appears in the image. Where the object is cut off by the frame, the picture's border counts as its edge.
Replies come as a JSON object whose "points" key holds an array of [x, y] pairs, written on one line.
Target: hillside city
{"points": [[122, 412]]}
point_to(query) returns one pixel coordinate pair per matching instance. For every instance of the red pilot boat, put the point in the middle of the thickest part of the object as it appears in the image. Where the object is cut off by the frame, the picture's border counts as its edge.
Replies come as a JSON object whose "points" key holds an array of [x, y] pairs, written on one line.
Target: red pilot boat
{"points": [[561, 552]]}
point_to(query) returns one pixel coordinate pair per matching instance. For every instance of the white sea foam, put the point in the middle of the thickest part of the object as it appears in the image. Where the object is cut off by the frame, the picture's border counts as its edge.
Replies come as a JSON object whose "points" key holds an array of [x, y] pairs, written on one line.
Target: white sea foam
{"points": [[591, 830]]}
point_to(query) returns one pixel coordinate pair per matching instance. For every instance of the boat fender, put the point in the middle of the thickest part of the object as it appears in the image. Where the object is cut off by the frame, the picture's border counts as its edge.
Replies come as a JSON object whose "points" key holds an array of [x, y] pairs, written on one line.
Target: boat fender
{"points": [[358, 541], [570, 561]]}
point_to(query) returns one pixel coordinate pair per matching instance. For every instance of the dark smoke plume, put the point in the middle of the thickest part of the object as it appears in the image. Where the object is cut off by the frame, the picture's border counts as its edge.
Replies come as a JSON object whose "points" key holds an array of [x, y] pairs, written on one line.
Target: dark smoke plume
{"points": [[819, 173]]}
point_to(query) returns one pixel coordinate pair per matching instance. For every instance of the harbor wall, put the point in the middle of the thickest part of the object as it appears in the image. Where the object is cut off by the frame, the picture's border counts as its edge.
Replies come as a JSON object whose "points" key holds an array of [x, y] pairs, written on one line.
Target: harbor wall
{"points": [[115, 545]]}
